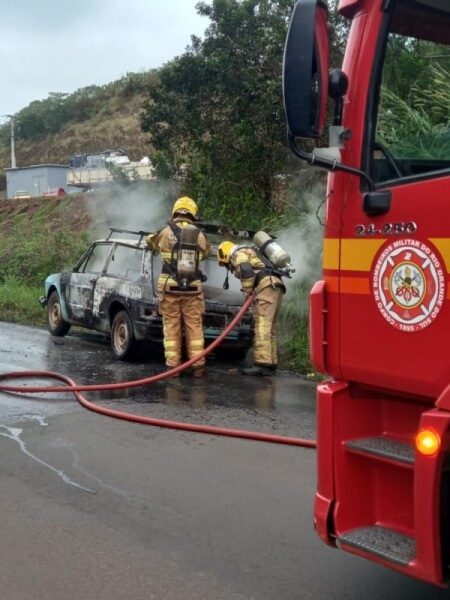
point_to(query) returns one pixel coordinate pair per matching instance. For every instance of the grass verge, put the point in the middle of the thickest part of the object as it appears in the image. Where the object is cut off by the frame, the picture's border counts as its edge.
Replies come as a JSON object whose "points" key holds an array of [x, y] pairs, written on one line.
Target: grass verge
{"points": [[20, 304]]}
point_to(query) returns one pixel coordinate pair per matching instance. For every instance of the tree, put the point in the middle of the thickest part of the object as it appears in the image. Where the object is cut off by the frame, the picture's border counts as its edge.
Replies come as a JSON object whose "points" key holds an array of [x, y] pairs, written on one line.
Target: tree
{"points": [[338, 28], [219, 109], [42, 117]]}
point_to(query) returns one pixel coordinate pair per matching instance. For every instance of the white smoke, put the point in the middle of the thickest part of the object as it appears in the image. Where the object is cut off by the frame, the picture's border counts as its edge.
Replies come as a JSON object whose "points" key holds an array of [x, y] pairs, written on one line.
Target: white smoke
{"points": [[144, 207], [303, 240]]}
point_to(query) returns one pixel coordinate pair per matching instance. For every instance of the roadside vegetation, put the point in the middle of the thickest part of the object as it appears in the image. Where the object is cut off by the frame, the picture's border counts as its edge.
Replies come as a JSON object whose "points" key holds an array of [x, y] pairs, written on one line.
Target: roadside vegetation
{"points": [[37, 238], [18, 302]]}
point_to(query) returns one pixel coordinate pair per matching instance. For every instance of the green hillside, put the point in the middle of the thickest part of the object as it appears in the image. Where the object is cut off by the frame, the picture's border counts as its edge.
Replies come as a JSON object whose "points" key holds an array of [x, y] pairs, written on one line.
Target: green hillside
{"points": [[89, 120]]}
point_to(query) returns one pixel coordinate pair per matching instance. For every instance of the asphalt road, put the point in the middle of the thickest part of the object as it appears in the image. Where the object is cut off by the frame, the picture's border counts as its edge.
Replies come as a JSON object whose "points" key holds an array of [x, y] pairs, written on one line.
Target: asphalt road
{"points": [[94, 508]]}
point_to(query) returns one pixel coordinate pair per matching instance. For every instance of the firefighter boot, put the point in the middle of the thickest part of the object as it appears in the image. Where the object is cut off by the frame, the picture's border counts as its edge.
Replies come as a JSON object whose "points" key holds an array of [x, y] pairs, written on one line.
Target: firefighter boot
{"points": [[169, 368], [258, 370], [199, 372]]}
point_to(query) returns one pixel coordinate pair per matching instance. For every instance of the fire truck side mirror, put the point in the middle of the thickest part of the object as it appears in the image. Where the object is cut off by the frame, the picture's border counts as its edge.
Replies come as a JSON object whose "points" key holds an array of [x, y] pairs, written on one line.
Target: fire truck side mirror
{"points": [[305, 69], [377, 203]]}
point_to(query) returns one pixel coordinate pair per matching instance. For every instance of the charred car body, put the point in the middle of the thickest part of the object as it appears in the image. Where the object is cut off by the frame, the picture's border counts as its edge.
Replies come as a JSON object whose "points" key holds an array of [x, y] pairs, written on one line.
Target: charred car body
{"points": [[112, 289]]}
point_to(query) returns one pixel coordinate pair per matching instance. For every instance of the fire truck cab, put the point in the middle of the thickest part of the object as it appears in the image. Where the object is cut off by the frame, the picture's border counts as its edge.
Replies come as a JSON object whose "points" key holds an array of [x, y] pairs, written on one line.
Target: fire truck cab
{"points": [[380, 315]]}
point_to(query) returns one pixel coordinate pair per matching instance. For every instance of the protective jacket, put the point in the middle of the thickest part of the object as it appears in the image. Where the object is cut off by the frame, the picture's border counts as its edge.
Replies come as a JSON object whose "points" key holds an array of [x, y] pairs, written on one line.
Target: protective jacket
{"points": [[179, 307], [253, 273], [164, 242], [268, 288]]}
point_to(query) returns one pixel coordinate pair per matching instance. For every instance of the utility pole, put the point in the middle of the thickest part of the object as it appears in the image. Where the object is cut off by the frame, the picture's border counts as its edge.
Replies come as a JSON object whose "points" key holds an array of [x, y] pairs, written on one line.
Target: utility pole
{"points": [[13, 148]]}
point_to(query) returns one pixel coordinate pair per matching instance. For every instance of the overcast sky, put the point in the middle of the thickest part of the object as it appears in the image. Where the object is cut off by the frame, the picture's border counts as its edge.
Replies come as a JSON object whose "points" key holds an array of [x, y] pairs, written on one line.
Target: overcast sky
{"points": [[63, 45]]}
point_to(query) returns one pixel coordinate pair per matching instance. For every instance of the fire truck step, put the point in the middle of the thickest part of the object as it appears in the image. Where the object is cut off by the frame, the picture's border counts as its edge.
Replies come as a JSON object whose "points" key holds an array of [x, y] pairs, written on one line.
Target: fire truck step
{"points": [[383, 447], [382, 542]]}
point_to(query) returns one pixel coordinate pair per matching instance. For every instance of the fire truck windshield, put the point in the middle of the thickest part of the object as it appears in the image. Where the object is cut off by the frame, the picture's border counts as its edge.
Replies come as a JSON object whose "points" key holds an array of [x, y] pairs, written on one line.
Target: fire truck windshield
{"points": [[412, 133], [424, 19]]}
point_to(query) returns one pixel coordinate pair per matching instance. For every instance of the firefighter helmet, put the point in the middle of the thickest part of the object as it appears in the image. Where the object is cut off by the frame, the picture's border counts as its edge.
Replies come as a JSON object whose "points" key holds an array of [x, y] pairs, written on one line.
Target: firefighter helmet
{"points": [[185, 206], [224, 252]]}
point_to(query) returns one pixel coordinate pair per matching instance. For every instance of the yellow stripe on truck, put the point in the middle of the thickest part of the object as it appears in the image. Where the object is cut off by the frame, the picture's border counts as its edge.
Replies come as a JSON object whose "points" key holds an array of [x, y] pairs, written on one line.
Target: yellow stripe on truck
{"points": [[330, 258], [356, 255], [443, 245]]}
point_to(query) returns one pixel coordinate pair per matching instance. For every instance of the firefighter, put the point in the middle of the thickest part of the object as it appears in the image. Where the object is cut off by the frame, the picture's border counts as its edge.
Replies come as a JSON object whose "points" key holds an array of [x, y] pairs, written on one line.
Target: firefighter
{"points": [[255, 276], [181, 302]]}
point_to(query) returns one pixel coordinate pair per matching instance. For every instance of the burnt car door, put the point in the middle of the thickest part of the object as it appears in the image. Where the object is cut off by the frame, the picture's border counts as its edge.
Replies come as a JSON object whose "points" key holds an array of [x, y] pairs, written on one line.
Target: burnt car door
{"points": [[121, 282], [77, 287]]}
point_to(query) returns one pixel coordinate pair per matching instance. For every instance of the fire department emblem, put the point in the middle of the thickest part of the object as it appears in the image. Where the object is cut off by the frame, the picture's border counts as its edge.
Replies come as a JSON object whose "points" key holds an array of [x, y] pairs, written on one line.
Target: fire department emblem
{"points": [[408, 285]]}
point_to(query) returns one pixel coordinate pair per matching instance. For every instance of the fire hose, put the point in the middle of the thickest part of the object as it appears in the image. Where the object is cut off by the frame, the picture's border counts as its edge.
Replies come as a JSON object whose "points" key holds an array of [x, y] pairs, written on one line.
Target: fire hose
{"points": [[72, 387]]}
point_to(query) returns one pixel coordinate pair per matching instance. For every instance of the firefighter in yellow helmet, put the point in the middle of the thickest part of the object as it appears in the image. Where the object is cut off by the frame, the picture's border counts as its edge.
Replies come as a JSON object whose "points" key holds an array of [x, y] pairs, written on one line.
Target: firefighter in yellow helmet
{"points": [[246, 264], [181, 302]]}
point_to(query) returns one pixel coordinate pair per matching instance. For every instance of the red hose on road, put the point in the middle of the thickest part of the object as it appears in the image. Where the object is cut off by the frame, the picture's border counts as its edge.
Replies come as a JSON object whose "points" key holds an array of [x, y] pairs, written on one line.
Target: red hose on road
{"points": [[76, 389]]}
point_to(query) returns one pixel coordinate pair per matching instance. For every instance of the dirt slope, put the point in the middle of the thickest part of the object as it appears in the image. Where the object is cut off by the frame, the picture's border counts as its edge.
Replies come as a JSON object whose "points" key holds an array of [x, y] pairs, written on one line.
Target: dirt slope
{"points": [[59, 212]]}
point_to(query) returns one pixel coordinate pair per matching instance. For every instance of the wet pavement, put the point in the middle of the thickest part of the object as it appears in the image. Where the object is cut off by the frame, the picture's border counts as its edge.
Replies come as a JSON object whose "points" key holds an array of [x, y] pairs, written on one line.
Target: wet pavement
{"points": [[282, 405], [95, 508]]}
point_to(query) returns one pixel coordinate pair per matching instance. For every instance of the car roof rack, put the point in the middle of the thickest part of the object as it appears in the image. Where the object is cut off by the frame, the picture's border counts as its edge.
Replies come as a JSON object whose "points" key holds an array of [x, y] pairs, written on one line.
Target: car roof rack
{"points": [[141, 234], [225, 231], [208, 228]]}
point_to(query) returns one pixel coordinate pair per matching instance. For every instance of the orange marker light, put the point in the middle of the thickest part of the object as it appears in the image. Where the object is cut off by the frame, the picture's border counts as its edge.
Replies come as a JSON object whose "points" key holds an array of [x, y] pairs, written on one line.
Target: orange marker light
{"points": [[428, 442]]}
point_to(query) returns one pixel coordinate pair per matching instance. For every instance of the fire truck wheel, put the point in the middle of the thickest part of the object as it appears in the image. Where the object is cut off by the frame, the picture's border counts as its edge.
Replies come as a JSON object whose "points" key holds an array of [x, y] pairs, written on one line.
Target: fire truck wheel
{"points": [[55, 322], [123, 342]]}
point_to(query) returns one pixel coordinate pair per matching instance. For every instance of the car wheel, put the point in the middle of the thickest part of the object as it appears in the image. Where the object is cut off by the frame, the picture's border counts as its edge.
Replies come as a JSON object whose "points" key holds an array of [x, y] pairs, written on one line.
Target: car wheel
{"points": [[55, 322], [123, 342]]}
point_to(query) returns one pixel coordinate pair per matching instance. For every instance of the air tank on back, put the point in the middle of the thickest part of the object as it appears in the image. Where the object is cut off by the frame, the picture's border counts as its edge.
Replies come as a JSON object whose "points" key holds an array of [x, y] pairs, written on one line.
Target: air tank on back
{"points": [[272, 251], [187, 258]]}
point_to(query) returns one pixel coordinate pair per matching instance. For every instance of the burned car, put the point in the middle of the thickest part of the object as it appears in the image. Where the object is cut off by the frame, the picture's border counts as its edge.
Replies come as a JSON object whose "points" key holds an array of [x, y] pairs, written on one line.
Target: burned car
{"points": [[113, 289]]}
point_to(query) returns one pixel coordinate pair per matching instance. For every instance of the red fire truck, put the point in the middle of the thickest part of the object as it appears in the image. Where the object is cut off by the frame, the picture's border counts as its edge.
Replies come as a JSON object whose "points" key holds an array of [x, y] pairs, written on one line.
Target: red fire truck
{"points": [[380, 316]]}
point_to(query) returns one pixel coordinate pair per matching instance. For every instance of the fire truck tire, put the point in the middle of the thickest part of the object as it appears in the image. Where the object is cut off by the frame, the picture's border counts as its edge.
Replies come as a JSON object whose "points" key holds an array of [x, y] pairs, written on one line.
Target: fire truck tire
{"points": [[55, 322], [123, 341]]}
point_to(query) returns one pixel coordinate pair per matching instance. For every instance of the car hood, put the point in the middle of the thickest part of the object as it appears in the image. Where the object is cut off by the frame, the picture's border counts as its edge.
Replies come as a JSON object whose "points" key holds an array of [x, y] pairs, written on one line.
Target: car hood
{"points": [[214, 295]]}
